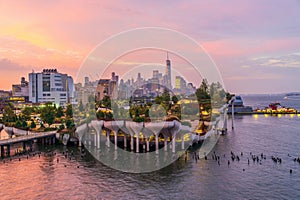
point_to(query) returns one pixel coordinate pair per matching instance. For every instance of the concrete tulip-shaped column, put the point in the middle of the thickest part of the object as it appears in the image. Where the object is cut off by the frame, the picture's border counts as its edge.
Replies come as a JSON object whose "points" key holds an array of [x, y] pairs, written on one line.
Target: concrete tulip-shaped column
{"points": [[166, 143], [135, 128], [95, 135], [172, 128], [176, 128], [80, 131], [147, 133], [115, 127], [125, 131], [125, 141], [183, 130], [88, 136], [107, 138], [166, 134], [97, 125], [131, 142], [156, 128]]}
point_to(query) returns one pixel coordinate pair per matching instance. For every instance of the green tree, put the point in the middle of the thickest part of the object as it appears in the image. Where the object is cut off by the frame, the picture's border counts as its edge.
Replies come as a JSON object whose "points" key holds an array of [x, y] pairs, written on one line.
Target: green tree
{"points": [[33, 124], [48, 114], [80, 106], [69, 111], [24, 124], [109, 116], [174, 99], [147, 114], [91, 116], [137, 112], [61, 127], [9, 115], [217, 93], [166, 96], [18, 124], [115, 108], [70, 123], [158, 99], [139, 119], [11, 105], [100, 114], [202, 92], [59, 112], [26, 112], [106, 102]]}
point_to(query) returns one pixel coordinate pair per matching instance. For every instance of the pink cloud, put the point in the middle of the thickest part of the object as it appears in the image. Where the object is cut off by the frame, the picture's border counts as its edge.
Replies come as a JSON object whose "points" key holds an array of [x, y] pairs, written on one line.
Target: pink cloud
{"points": [[249, 47], [62, 33]]}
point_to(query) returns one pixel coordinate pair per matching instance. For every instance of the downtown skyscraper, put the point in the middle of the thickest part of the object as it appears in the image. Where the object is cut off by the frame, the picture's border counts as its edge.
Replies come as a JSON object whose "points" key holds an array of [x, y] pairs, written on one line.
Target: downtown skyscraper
{"points": [[168, 80]]}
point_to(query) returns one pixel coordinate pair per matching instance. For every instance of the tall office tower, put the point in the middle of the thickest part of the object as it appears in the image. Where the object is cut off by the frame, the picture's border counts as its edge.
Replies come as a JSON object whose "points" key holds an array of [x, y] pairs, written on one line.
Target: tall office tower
{"points": [[180, 84], [155, 74], [168, 72], [86, 81], [139, 80], [51, 86], [114, 77]]}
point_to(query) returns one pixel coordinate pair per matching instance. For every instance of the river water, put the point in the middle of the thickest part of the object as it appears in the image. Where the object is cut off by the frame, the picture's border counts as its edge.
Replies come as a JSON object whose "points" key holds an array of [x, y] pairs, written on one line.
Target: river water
{"points": [[83, 177]]}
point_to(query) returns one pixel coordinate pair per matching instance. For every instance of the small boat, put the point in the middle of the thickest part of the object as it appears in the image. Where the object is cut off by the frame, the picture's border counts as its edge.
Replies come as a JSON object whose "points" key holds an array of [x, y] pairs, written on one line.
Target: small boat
{"points": [[292, 96], [239, 107]]}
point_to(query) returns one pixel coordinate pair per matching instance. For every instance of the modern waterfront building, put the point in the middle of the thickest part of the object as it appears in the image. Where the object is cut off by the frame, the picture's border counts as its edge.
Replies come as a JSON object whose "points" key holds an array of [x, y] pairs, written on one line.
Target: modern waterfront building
{"points": [[51, 86]]}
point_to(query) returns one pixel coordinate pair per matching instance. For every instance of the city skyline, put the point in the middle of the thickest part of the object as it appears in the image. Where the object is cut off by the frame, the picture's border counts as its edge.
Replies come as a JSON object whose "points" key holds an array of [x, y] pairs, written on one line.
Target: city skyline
{"points": [[51, 85], [161, 71], [254, 44]]}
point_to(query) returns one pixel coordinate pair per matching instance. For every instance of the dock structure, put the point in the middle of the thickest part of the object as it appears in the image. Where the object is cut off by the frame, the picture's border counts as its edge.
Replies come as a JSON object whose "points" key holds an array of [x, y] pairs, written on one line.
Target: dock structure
{"points": [[142, 136], [135, 131], [137, 135], [26, 140]]}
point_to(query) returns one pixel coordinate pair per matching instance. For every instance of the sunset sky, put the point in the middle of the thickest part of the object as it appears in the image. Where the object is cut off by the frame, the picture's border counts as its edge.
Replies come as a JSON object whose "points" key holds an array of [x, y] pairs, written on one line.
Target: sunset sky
{"points": [[255, 43]]}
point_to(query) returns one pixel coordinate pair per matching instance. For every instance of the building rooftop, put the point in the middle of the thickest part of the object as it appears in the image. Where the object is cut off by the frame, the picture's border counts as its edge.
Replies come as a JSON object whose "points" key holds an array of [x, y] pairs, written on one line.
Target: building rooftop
{"points": [[50, 71]]}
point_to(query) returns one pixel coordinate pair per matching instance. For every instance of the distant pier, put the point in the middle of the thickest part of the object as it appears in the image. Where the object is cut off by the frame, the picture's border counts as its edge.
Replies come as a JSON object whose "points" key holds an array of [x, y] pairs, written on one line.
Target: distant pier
{"points": [[26, 140]]}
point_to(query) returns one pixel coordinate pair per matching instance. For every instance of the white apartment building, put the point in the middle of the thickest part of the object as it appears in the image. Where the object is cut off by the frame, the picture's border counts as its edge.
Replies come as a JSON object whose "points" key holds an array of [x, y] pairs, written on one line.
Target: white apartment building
{"points": [[51, 86]]}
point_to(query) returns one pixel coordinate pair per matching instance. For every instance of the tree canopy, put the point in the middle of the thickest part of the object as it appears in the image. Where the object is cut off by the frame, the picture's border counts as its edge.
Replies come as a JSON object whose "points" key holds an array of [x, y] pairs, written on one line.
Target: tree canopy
{"points": [[48, 114], [9, 115]]}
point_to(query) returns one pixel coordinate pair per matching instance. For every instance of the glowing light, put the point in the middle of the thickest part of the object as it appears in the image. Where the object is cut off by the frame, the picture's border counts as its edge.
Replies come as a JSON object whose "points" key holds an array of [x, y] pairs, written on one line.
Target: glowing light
{"points": [[255, 116], [298, 115], [292, 115], [266, 115], [205, 113], [279, 115]]}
